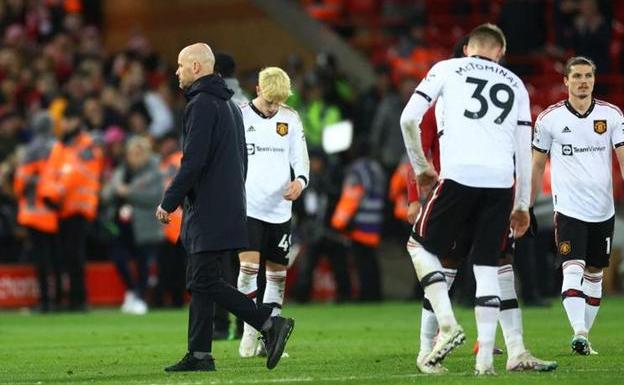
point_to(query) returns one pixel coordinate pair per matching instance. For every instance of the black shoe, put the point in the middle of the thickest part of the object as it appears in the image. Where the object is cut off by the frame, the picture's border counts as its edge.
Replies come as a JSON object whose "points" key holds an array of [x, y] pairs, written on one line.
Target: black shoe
{"points": [[188, 363], [276, 337]]}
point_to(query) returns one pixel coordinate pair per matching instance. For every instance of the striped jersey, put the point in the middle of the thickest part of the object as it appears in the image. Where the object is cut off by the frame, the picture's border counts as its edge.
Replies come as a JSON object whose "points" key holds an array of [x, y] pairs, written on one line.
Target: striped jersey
{"points": [[580, 147], [275, 145]]}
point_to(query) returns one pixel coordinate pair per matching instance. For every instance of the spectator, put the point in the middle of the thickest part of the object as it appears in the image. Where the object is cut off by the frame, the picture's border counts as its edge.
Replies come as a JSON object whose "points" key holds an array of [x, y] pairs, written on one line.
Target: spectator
{"points": [[315, 209], [386, 130], [316, 113], [135, 188], [359, 214], [71, 183], [171, 256], [40, 221]]}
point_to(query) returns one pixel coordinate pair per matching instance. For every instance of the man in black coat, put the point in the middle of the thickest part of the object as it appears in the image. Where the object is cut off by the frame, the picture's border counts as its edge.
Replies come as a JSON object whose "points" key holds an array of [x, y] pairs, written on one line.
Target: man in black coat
{"points": [[211, 182]]}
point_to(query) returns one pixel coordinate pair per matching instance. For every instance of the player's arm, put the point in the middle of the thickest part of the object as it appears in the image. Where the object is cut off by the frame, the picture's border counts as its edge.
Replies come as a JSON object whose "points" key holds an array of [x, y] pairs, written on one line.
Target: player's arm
{"points": [[523, 153], [619, 152], [425, 94], [201, 120], [299, 161], [413, 206], [520, 219], [427, 91], [617, 138], [537, 173], [542, 141]]}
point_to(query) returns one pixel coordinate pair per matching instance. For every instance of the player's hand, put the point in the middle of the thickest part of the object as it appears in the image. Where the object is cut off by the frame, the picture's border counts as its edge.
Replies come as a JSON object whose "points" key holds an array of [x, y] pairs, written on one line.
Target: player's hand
{"points": [[162, 215], [519, 222], [293, 190], [533, 228], [413, 209], [426, 180]]}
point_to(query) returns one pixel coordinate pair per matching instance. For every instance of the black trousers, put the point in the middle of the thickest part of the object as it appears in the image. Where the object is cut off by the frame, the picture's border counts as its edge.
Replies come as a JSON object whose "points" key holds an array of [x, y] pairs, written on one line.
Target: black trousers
{"points": [[205, 282], [365, 258], [228, 268], [337, 254], [45, 255], [73, 243], [171, 275]]}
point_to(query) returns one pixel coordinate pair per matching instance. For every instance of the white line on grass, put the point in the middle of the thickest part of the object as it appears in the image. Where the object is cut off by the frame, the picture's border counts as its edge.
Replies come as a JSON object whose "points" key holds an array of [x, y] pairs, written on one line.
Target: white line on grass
{"points": [[357, 378]]}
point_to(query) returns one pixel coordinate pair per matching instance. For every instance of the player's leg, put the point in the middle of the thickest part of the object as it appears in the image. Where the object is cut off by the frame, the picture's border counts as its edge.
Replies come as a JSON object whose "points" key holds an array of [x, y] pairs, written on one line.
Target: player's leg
{"points": [[248, 281], [276, 251], [444, 213], [492, 226], [518, 357], [429, 328], [599, 246], [572, 240]]}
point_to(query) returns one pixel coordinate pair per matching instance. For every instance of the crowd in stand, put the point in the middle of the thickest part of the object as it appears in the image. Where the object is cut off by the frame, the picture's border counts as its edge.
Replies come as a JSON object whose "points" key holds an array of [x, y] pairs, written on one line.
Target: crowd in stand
{"points": [[99, 131]]}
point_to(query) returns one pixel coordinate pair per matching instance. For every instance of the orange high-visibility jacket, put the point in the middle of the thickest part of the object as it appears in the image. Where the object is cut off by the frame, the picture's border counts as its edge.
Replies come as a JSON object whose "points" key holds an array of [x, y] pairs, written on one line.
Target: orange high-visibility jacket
{"points": [[71, 178], [169, 166], [31, 211], [359, 212], [399, 189]]}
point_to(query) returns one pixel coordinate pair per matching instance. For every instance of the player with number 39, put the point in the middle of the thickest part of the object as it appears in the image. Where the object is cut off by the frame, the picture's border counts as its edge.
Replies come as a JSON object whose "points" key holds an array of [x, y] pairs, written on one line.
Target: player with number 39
{"points": [[484, 133]]}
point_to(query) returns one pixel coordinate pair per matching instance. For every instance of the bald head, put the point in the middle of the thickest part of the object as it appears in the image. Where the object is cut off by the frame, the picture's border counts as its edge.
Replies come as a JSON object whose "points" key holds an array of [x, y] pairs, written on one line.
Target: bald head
{"points": [[194, 62]]}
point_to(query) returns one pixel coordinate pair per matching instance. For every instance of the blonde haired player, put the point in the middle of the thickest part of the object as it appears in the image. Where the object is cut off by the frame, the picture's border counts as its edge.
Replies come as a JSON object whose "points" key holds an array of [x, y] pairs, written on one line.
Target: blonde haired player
{"points": [[275, 146]]}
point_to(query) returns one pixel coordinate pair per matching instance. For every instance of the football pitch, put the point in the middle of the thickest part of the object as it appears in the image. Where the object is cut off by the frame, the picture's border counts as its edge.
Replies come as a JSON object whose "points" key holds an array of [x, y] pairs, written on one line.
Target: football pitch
{"points": [[331, 344]]}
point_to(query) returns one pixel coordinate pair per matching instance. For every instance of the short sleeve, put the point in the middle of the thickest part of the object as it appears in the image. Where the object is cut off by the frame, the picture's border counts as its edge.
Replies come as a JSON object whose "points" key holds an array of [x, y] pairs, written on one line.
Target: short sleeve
{"points": [[617, 132], [542, 139]]}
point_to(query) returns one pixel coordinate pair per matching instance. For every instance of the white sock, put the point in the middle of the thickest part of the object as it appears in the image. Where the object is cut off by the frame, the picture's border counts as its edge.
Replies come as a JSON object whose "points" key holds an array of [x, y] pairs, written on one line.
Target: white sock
{"points": [[592, 288], [274, 291], [428, 321], [431, 276], [510, 317], [248, 279], [486, 311], [572, 294], [248, 285]]}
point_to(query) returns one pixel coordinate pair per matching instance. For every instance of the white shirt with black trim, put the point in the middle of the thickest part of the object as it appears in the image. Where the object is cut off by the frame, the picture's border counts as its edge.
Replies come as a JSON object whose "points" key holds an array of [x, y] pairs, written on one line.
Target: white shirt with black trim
{"points": [[275, 144], [580, 147], [486, 123]]}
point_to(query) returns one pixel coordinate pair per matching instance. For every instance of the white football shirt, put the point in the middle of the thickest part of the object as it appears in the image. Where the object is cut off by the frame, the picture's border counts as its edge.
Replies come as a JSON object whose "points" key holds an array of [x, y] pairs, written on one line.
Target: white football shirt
{"points": [[484, 104], [580, 149], [274, 145]]}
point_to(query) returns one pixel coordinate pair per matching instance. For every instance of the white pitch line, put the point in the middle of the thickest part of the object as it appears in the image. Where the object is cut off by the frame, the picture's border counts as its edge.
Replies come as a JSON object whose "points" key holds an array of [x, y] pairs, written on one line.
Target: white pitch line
{"points": [[359, 378]]}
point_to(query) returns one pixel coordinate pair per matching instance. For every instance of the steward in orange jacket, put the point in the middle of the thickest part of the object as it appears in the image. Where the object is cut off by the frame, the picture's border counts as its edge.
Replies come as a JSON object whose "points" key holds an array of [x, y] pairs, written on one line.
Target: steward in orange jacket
{"points": [[71, 184], [169, 167], [40, 221], [359, 215], [171, 256]]}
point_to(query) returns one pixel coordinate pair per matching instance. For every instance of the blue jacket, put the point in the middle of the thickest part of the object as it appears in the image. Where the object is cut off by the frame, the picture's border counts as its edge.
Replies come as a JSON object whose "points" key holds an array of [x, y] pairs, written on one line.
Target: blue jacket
{"points": [[211, 179]]}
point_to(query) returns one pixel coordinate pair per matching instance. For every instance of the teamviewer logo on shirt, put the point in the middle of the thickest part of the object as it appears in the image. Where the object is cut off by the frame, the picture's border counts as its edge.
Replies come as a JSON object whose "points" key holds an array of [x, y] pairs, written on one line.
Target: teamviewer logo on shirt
{"points": [[566, 150]]}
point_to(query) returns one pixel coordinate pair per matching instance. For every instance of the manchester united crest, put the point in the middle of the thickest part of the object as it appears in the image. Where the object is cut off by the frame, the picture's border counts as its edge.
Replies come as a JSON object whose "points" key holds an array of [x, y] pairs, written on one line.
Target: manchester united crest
{"points": [[565, 247], [281, 128], [600, 126]]}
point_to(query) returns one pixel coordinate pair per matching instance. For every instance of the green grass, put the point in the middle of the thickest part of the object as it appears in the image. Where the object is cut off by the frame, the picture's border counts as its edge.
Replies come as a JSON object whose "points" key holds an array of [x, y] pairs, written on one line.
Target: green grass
{"points": [[350, 344]]}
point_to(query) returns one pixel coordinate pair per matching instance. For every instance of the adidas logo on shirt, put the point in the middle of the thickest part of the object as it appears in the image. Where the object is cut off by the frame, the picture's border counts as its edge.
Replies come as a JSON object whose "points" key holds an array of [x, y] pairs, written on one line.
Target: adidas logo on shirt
{"points": [[565, 130], [251, 129]]}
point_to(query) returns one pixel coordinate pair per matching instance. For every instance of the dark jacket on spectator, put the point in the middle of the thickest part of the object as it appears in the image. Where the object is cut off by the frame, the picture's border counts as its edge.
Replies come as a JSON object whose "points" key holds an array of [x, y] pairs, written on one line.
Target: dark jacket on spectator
{"points": [[146, 189], [213, 170]]}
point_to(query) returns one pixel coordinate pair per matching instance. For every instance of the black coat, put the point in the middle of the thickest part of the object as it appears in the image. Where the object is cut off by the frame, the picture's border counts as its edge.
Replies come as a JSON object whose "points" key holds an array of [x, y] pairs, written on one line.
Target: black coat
{"points": [[213, 170]]}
